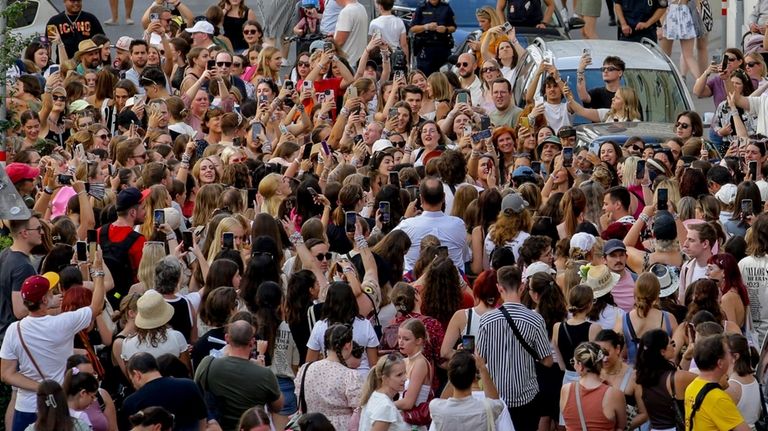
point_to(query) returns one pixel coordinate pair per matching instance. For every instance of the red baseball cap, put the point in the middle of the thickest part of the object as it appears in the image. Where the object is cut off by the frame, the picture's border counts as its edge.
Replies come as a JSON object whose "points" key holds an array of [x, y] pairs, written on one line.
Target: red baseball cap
{"points": [[35, 288], [19, 172]]}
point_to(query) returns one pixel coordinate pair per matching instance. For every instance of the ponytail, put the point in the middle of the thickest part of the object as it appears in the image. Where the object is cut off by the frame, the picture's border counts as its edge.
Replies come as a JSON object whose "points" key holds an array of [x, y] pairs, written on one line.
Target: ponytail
{"points": [[373, 381]]}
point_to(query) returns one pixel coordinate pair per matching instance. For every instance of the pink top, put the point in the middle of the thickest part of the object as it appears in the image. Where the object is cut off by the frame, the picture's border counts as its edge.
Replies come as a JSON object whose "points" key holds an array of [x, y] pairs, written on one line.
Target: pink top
{"points": [[624, 292]]}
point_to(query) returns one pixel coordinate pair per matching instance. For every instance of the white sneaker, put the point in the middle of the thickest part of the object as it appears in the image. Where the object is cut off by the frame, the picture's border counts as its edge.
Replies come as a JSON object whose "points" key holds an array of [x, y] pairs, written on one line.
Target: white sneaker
{"points": [[128, 21], [111, 22]]}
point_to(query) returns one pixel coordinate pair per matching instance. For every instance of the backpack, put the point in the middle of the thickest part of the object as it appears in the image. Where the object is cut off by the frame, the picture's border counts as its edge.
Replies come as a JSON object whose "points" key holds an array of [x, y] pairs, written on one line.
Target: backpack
{"points": [[118, 261]]}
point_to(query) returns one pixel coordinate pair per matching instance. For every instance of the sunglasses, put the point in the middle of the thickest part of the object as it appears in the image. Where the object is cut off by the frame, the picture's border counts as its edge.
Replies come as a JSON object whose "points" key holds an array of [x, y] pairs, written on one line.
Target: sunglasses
{"points": [[683, 126], [324, 256], [752, 64], [609, 69], [59, 98], [237, 64], [223, 63], [462, 64], [104, 136], [303, 64], [399, 144], [488, 69], [250, 31], [731, 59]]}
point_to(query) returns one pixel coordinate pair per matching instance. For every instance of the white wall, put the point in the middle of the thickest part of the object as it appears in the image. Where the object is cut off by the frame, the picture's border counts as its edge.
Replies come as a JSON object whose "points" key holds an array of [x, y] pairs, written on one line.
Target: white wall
{"points": [[733, 35]]}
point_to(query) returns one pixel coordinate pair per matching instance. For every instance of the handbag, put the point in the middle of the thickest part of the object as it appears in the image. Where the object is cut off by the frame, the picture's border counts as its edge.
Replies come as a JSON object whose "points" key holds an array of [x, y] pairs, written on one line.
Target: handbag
{"points": [[419, 415], [762, 421], [706, 15], [293, 422]]}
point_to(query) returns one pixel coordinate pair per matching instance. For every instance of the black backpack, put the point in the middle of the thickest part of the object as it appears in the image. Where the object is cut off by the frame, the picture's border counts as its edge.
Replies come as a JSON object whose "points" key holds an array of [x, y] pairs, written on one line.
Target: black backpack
{"points": [[118, 261]]}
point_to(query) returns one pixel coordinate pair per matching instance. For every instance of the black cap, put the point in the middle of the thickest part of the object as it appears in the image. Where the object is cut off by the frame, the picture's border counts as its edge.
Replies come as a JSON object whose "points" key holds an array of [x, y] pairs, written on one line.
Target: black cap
{"points": [[128, 198]]}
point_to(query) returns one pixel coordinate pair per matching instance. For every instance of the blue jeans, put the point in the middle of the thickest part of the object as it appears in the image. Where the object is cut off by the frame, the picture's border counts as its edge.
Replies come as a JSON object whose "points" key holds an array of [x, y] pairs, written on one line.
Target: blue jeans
{"points": [[288, 388], [21, 420]]}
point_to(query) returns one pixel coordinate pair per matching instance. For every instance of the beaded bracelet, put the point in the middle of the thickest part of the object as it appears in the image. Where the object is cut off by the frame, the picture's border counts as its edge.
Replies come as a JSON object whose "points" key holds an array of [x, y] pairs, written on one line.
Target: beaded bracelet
{"points": [[361, 242], [296, 239]]}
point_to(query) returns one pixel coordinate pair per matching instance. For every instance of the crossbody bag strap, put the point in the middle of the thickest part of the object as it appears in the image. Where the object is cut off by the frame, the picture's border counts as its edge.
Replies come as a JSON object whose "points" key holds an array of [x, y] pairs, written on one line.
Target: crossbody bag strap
{"points": [[709, 387], [469, 321], [518, 335], [578, 407], [26, 349], [302, 400], [564, 325]]}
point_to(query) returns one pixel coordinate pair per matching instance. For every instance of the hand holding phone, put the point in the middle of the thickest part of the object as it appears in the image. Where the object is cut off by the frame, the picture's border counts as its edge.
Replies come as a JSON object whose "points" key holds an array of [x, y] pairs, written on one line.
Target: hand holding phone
{"points": [[350, 219]]}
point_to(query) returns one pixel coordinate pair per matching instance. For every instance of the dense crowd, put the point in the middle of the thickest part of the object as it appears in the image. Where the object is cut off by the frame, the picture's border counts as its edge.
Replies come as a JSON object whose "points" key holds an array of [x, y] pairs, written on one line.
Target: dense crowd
{"points": [[373, 238]]}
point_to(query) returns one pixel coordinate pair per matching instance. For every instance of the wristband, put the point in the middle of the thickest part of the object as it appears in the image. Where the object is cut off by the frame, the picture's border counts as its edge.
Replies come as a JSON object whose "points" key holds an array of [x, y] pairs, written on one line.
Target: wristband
{"points": [[644, 218], [185, 158], [361, 242], [344, 112], [95, 274], [170, 236], [47, 190], [296, 239]]}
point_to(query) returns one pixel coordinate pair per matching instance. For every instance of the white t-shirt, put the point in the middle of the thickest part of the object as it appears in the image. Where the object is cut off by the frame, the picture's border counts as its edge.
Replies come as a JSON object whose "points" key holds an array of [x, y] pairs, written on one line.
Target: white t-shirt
{"points": [[754, 272], [362, 333], [390, 27], [354, 19], [380, 408], [515, 244], [50, 339], [174, 344]]}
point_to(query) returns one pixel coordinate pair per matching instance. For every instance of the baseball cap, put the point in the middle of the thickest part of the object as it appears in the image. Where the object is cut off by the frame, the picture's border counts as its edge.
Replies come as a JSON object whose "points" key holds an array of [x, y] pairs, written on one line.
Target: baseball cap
{"points": [[612, 245], [201, 27], [381, 145], [128, 198], [514, 202], [664, 227], [20, 171], [523, 171], [727, 193], [35, 288], [314, 46], [124, 43]]}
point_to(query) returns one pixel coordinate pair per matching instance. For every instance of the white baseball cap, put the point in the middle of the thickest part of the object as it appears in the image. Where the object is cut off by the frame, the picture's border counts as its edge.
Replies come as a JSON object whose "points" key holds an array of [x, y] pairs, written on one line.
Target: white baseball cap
{"points": [[201, 27]]}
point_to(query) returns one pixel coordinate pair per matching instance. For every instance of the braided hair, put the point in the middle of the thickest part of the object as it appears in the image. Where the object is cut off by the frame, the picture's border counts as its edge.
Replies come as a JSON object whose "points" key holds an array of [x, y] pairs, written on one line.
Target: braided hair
{"points": [[336, 337]]}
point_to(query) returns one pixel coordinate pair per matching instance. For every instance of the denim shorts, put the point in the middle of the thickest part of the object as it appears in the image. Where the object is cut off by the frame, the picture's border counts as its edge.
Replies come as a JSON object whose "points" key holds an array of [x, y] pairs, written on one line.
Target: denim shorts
{"points": [[287, 387]]}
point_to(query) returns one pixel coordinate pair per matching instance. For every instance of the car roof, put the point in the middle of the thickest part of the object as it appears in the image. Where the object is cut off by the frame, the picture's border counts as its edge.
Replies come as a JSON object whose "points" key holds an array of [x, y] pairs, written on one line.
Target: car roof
{"points": [[595, 134], [567, 54]]}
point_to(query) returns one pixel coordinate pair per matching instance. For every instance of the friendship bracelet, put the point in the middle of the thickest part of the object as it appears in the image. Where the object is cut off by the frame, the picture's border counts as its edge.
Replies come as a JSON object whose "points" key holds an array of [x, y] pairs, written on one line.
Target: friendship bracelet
{"points": [[296, 239]]}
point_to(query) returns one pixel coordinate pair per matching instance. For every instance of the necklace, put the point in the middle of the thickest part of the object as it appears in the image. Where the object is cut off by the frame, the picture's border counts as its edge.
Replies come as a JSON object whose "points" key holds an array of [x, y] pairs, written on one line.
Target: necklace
{"points": [[72, 23], [613, 373]]}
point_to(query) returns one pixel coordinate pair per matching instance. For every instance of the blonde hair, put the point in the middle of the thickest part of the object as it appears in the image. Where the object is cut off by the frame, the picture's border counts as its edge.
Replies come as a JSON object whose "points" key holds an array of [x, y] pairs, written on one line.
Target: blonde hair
{"points": [[629, 111], [262, 65], [490, 14], [152, 253], [647, 290], [199, 163], [268, 190], [228, 152], [461, 200], [228, 224], [629, 171], [374, 380], [441, 88]]}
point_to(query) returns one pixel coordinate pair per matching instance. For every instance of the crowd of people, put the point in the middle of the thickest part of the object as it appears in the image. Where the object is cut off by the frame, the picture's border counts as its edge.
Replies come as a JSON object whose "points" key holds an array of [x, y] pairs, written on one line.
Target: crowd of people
{"points": [[372, 239]]}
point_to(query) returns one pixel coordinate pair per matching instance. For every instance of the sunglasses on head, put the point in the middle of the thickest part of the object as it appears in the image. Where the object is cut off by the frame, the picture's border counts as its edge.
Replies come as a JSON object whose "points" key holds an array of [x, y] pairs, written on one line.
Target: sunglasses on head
{"points": [[324, 256]]}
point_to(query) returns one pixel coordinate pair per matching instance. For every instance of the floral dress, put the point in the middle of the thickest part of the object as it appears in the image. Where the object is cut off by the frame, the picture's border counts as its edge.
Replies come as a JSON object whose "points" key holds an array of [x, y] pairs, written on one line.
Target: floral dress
{"points": [[331, 388], [679, 22]]}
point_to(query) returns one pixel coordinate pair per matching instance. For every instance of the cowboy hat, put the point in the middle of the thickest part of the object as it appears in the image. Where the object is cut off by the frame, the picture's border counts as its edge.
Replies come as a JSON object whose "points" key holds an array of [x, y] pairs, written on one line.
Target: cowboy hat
{"points": [[153, 311], [601, 280], [85, 46]]}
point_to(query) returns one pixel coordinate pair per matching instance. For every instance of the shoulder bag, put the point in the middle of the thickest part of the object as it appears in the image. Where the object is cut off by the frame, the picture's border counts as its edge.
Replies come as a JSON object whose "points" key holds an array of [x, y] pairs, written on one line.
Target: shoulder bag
{"points": [[519, 336], [293, 423], [419, 415], [578, 406], [26, 349]]}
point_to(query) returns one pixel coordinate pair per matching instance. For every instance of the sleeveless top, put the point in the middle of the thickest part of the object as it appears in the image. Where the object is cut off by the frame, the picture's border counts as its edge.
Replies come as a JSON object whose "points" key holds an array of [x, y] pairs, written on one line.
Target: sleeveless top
{"points": [[473, 322], [233, 29], [96, 415], [633, 340], [570, 336], [749, 403], [182, 317], [591, 406], [660, 404]]}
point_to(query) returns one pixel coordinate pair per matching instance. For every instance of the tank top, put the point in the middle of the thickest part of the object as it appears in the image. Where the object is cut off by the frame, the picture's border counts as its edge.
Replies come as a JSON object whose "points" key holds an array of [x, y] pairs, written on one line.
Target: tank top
{"points": [[96, 416], [591, 406], [570, 336], [660, 404], [633, 340], [233, 29], [749, 403], [473, 322], [182, 319]]}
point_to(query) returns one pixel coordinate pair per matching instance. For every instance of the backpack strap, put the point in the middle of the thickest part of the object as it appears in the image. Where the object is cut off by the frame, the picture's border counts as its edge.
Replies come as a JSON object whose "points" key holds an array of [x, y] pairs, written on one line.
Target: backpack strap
{"points": [[630, 328], [700, 400], [469, 321]]}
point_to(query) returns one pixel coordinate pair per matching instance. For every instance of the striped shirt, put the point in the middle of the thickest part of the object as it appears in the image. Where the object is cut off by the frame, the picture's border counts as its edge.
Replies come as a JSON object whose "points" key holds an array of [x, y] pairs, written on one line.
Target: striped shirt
{"points": [[513, 370]]}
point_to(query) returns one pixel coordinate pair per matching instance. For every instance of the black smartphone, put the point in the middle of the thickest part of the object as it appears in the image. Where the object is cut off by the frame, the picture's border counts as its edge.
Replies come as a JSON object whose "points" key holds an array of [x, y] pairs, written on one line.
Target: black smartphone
{"points": [[328, 46], [746, 207], [413, 191], [92, 241], [252, 196], [288, 85], [640, 172], [661, 200], [384, 209], [567, 157], [366, 184], [82, 251], [159, 217], [442, 251], [468, 343], [350, 218], [536, 167], [211, 64], [394, 179], [307, 151], [485, 122], [65, 180], [724, 64], [312, 191], [753, 169], [188, 239], [228, 240], [479, 136]]}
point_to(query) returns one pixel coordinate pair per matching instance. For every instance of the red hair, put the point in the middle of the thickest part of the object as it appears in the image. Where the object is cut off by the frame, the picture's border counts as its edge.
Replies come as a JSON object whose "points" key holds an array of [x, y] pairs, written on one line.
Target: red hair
{"points": [[731, 275], [76, 298], [485, 289]]}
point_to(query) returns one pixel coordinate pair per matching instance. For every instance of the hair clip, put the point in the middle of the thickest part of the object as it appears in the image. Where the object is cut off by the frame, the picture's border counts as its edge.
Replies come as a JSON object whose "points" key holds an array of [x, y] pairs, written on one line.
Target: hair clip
{"points": [[50, 401], [75, 371]]}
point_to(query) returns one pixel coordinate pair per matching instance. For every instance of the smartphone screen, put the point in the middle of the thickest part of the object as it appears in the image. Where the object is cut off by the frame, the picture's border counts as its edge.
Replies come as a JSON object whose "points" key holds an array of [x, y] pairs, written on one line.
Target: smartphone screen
{"points": [[462, 97], [82, 251], [366, 184], [384, 211], [724, 64], [485, 122], [188, 239], [746, 207], [413, 191], [567, 157], [92, 242], [159, 217], [211, 64], [479, 136], [753, 170], [468, 343], [350, 218], [640, 173], [252, 196], [228, 240], [307, 151], [288, 85], [661, 202], [392, 112], [394, 179]]}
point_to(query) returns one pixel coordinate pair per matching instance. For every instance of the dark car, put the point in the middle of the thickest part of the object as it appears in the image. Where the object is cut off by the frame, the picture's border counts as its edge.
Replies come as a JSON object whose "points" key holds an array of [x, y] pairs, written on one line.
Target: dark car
{"points": [[592, 135]]}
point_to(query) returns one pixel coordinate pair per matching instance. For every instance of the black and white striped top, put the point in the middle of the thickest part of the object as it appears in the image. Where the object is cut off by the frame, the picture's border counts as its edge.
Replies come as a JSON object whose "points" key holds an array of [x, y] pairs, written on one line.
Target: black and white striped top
{"points": [[511, 367]]}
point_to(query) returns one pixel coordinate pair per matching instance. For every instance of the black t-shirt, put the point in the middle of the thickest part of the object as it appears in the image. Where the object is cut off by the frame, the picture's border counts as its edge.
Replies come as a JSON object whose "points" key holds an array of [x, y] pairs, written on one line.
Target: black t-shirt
{"points": [[204, 345], [15, 267], [181, 397], [601, 98], [639, 11], [442, 14], [75, 29]]}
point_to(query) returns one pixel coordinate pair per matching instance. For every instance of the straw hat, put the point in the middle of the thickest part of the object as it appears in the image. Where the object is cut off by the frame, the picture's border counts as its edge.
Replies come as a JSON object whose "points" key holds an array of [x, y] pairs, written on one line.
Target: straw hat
{"points": [[601, 280], [84, 46], [668, 280], [154, 312]]}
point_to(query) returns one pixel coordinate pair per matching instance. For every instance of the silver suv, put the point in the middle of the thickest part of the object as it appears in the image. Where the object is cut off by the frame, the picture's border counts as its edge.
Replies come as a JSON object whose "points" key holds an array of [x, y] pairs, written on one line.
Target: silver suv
{"points": [[660, 90]]}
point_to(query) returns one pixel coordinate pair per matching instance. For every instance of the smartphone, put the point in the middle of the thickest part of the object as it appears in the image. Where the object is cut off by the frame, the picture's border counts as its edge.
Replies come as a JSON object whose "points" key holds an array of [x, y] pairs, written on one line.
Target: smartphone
{"points": [[251, 196], [51, 31], [485, 122], [467, 130], [154, 17], [399, 75], [312, 191], [468, 343], [366, 184], [256, 129], [394, 178], [462, 97], [479, 136], [536, 167], [65, 180], [384, 211], [188, 239], [442, 251], [724, 62], [661, 201], [288, 85], [82, 251], [228, 240], [159, 217], [92, 242], [326, 149], [392, 112], [716, 59], [753, 169], [329, 94], [587, 52], [211, 64], [111, 170], [567, 157], [640, 172], [328, 46], [507, 27], [746, 207], [352, 90], [413, 192], [350, 218], [53, 69], [307, 85], [306, 152], [283, 129]]}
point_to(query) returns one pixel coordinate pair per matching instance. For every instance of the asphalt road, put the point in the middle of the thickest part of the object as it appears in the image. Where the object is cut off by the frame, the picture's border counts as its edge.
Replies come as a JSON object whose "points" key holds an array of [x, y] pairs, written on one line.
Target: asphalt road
{"points": [[102, 11]]}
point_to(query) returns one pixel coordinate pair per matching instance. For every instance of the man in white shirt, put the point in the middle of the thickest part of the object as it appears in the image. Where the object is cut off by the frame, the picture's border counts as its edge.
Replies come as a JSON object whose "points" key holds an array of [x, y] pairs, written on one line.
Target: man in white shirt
{"points": [[35, 347], [470, 81], [389, 27], [352, 30], [451, 231], [698, 246]]}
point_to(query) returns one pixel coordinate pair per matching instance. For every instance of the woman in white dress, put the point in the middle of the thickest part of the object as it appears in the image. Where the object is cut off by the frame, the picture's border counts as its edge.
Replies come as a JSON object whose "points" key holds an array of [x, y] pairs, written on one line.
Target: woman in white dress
{"points": [[384, 381]]}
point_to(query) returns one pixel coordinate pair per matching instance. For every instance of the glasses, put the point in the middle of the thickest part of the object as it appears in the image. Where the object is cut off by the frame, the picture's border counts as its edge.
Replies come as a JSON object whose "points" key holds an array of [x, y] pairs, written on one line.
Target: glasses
{"points": [[249, 32], [59, 98], [683, 126], [303, 64], [399, 144], [324, 256], [752, 64], [38, 229], [489, 69], [462, 64], [223, 63], [731, 59], [104, 136], [610, 69]]}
